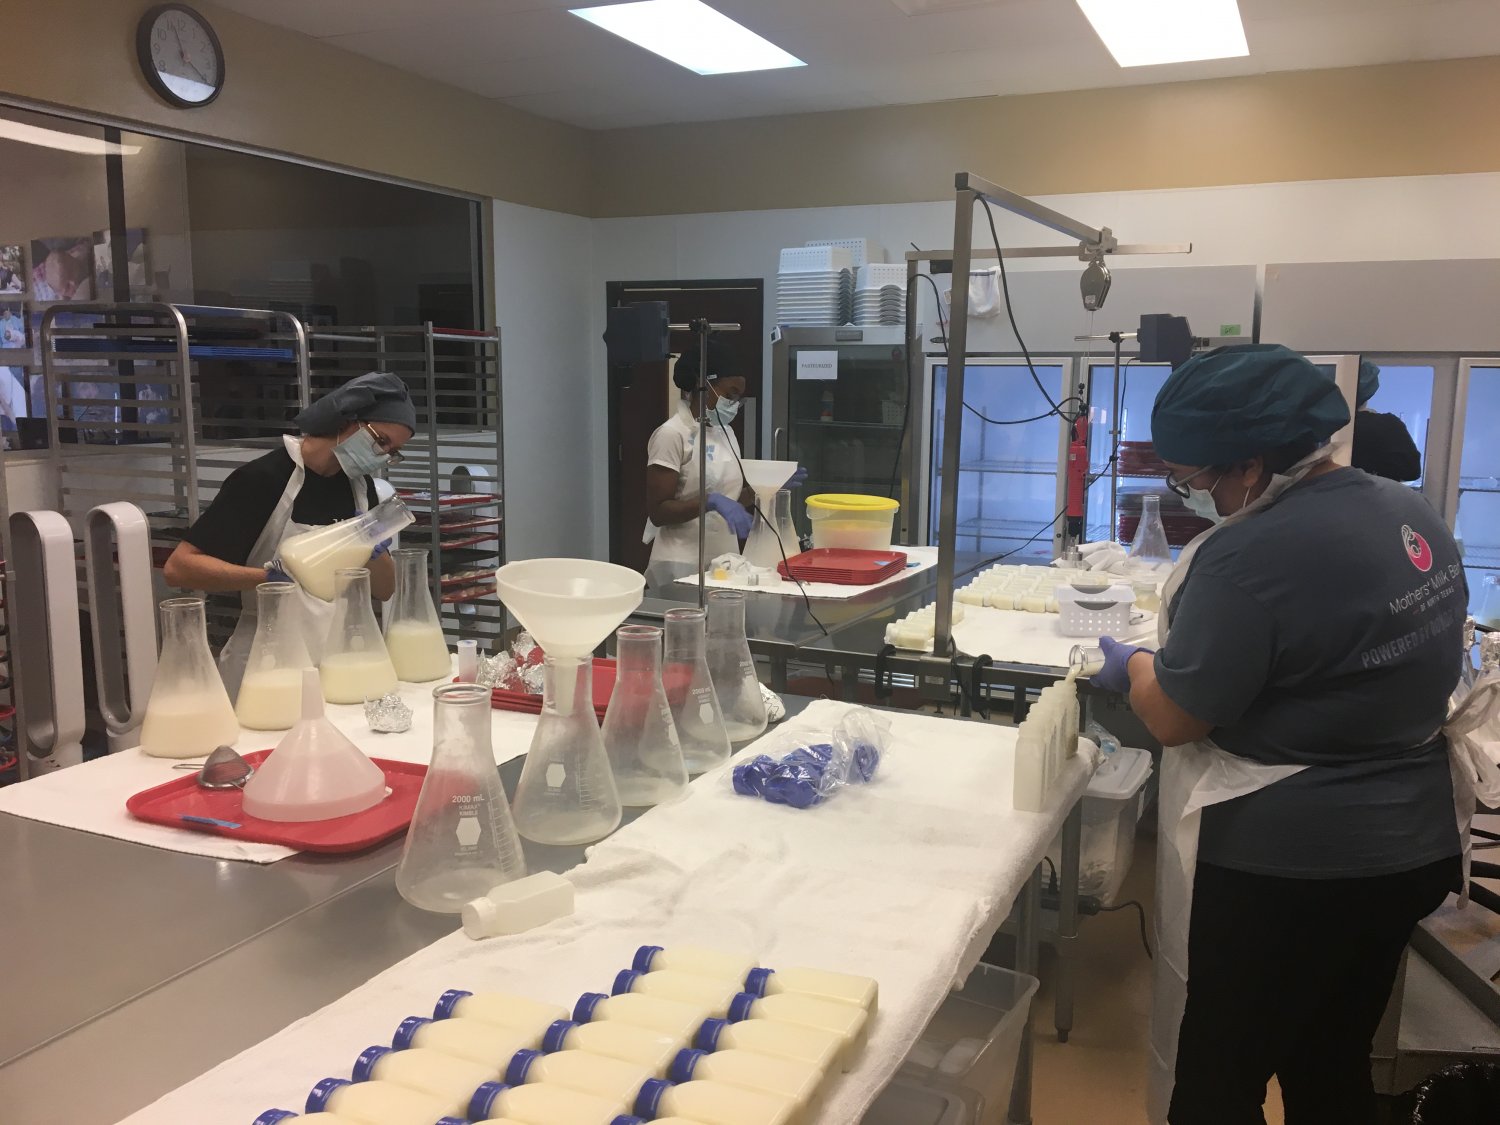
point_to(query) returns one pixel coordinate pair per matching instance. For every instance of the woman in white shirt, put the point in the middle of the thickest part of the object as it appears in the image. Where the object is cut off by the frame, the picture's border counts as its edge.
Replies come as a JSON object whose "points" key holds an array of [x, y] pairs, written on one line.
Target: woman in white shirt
{"points": [[673, 490]]}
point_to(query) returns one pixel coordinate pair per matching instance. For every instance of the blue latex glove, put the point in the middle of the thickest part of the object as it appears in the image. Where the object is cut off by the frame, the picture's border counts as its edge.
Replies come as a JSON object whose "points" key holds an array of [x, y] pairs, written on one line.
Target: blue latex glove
{"points": [[275, 572], [381, 548], [1115, 675], [799, 478], [735, 514]]}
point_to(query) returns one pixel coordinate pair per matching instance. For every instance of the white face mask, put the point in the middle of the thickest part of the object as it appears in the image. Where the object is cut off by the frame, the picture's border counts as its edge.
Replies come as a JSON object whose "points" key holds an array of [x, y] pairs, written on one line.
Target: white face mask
{"points": [[1200, 501], [727, 409], [359, 456]]}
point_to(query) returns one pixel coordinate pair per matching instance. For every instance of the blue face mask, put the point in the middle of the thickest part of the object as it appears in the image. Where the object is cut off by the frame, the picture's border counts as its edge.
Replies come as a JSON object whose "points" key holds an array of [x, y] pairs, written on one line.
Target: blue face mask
{"points": [[726, 410], [359, 456], [1200, 501]]}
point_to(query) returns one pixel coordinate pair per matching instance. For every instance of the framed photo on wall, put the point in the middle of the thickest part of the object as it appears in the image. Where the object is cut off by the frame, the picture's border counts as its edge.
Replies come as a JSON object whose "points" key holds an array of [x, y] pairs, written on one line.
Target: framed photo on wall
{"points": [[12, 269], [104, 263], [62, 268], [14, 331]]}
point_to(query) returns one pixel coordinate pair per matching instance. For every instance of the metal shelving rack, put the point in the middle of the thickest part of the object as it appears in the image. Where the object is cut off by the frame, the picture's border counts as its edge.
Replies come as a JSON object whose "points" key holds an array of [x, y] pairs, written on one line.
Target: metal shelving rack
{"points": [[158, 403], [451, 473]]}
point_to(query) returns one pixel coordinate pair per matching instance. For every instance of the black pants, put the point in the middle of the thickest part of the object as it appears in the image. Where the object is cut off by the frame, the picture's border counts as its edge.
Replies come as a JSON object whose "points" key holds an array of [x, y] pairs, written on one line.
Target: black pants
{"points": [[1290, 977]]}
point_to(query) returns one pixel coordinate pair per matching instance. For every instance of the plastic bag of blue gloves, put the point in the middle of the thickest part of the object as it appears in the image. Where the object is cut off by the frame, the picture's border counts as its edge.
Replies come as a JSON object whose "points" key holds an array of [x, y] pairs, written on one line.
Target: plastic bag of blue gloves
{"points": [[813, 769]]}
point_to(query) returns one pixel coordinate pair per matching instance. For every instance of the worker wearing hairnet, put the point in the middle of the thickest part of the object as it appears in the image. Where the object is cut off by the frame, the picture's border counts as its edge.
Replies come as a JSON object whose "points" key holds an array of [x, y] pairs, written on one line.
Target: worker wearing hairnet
{"points": [[320, 477], [1309, 645], [1382, 444]]}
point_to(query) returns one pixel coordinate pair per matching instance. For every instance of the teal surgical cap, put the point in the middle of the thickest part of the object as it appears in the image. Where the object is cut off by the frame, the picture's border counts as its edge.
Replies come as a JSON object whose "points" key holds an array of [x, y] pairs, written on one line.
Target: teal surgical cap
{"points": [[1242, 401], [1369, 382]]}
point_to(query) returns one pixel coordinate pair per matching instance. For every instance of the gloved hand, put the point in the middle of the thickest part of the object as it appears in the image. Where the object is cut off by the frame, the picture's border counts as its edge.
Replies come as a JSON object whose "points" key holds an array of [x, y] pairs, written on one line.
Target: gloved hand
{"points": [[735, 514], [381, 548], [275, 572], [799, 478], [1115, 675]]}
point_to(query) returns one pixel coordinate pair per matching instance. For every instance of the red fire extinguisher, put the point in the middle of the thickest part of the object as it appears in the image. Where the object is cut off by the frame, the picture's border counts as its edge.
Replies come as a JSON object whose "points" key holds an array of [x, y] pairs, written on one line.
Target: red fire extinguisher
{"points": [[1078, 475]]}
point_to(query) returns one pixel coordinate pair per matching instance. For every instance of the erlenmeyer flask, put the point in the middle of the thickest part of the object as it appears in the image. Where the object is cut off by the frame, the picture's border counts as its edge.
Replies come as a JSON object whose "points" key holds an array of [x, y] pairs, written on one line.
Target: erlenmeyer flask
{"points": [[690, 692], [731, 667], [1489, 603], [640, 737], [413, 634], [315, 557], [567, 794], [356, 666], [270, 696], [189, 712], [785, 526], [462, 842], [1150, 550]]}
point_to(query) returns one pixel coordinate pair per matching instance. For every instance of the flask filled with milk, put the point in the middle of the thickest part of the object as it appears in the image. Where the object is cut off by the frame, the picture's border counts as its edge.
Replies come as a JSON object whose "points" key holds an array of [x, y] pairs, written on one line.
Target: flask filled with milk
{"points": [[270, 695], [356, 665], [189, 712], [413, 633]]}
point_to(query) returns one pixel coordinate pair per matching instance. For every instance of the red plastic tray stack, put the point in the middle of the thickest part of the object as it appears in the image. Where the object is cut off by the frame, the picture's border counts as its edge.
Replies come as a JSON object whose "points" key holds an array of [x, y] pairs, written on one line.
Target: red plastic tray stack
{"points": [[503, 699], [843, 566]]}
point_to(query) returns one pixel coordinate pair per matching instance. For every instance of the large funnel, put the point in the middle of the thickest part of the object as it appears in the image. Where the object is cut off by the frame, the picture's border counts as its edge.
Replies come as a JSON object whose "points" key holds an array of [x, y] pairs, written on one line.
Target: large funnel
{"points": [[766, 477], [569, 605]]}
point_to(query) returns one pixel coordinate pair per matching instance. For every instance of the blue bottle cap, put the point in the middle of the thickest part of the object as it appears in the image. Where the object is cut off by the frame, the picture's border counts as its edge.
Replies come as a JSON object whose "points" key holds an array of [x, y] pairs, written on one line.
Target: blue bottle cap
{"points": [[451, 1121], [520, 1065], [684, 1064], [556, 1036], [755, 981], [482, 1102], [583, 1011], [648, 1101], [643, 958], [408, 1029], [272, 1116], [707, 1038], [628, 1119], [364, 1066], [625, 981], [739, 1007], [446, 1002], [317, 1097]]}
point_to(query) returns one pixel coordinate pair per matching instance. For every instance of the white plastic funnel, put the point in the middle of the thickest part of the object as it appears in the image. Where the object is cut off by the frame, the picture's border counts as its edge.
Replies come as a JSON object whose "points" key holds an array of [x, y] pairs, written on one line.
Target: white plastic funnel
{"points": [[315, 772], [767, 476], [569, 605]]}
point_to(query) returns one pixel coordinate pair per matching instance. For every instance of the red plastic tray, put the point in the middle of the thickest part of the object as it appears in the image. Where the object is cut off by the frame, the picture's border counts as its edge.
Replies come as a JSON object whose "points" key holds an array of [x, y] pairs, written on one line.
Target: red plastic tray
{"points": [[604, 686], [843, 566], [168, 804]]}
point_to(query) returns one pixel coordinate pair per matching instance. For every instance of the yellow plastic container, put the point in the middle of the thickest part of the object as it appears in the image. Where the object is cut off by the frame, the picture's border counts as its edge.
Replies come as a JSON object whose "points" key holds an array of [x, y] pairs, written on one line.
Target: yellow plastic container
{"points": [[851, 520]]}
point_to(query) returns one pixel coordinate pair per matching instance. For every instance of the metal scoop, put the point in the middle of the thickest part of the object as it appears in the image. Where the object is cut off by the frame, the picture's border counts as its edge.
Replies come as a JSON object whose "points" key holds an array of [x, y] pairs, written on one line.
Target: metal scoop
{"points": [[224, 769]]}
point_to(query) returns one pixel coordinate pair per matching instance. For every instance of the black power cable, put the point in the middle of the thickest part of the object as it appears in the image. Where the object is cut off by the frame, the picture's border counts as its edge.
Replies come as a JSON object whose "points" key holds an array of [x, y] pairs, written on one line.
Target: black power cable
{"points": [[1141, 911]]}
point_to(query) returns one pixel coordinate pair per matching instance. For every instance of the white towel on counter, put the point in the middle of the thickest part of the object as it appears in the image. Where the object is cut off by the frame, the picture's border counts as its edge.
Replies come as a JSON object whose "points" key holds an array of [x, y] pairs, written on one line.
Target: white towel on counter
{"points": [[91, 797], [842, 886]]}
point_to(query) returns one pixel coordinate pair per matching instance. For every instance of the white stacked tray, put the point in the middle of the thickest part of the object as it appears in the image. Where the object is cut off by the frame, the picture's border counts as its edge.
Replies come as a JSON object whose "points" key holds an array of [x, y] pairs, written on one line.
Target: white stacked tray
{"points": [[814, 286], [863, 250], [886, 305]]}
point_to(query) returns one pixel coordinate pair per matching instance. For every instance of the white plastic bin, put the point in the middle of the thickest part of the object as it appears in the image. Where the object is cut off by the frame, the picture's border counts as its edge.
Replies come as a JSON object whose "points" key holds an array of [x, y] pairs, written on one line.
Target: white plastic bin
{"points": [[852, 520], [974, 1039], [908, 1100], [1111, 810]]}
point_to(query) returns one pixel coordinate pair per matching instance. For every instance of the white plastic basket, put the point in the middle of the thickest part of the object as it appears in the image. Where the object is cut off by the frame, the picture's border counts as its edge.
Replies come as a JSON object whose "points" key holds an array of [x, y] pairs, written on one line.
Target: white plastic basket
{"points": [[862, 250], [1090, 612], [878, 275], [815, 259]]}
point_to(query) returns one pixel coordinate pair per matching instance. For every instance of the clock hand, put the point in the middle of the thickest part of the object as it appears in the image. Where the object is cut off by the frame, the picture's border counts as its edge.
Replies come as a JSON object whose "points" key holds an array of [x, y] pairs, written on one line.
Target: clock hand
{"points": [[190, 65]]}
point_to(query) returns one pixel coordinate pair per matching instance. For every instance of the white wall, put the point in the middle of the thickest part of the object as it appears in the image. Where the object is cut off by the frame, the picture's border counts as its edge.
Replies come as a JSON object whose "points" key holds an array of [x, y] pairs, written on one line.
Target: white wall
{"points": [[1399, 218], [554, 405]]}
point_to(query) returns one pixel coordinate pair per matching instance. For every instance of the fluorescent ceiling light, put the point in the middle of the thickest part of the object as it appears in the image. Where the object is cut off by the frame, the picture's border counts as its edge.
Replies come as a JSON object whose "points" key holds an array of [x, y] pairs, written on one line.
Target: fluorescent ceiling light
{"points": [[68, 142], [1151, 32], [690, 34]]}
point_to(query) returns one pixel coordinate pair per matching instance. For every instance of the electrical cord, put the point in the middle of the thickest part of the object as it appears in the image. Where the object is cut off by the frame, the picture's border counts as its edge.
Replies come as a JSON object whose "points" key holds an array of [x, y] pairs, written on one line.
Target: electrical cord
{"points": [[1141, 912]]}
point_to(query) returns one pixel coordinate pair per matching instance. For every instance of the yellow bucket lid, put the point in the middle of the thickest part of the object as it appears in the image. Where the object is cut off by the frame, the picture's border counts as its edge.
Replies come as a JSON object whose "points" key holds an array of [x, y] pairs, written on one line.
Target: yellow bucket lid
{"points": [[852, 502]]}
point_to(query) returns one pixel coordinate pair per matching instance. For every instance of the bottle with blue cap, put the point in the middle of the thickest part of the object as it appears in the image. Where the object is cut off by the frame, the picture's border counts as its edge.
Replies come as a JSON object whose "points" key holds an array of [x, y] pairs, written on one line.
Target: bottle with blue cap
{"points": [[375, 1103], [642, 1046], [451, 1081], [845, 1020], [474, 1040], [777, 1039], [656, 1012], [693, 959], [541, 1104], [797, 1082], [275, 1116], [520, 1012], [845, 988], [577, 1070], [687, 988], [713, 1101]]}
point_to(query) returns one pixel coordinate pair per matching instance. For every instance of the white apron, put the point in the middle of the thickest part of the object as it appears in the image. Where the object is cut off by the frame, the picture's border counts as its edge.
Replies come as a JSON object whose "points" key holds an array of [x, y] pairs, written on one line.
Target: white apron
{"points": [[316, 614], [1199, 774], [674, 549]]}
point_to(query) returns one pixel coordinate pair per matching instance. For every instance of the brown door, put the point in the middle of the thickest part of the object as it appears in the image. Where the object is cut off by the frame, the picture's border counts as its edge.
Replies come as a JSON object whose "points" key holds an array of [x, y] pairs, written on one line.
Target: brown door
{"points": [[642, 398]]}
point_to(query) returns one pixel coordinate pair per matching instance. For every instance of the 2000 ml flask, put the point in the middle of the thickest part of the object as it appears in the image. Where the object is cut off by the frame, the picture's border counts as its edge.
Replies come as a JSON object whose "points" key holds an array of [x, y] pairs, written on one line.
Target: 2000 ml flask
{"points": [[413, 634], [567, 794], [356, 666], [732, 668], [690, 692], [189, 712], [1150, 551], [270, 696], [462, 842], [640, 737]]}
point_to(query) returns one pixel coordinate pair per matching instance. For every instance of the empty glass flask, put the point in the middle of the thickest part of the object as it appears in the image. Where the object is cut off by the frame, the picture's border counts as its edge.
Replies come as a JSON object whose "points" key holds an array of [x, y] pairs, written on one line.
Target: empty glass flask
{"points": [[732, 668], [640, 736], [690, 692]]}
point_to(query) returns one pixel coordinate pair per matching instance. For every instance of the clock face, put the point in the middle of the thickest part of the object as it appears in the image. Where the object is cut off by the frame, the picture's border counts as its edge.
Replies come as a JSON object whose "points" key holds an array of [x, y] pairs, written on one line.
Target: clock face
{"points": [[181, 55]]}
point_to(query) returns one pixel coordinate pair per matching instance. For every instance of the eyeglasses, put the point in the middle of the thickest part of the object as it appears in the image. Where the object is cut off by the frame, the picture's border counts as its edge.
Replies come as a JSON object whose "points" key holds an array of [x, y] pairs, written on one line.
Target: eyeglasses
{"points": [[383, 443], [1179, 488]]}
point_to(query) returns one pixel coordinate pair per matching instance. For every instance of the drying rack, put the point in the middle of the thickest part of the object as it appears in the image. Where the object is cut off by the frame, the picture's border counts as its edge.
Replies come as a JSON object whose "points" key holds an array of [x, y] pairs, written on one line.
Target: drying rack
{"points": [[451, 472]]}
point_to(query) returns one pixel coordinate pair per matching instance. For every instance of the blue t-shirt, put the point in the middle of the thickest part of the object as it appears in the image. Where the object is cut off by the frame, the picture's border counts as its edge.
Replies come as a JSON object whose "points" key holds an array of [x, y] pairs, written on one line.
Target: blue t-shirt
{"points": [[1325, 631]]}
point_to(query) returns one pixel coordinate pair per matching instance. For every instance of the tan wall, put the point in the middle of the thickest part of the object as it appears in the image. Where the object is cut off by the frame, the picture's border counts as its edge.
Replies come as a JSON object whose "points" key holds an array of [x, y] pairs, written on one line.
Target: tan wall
{"points": [[289, 93], [1403, 119]]}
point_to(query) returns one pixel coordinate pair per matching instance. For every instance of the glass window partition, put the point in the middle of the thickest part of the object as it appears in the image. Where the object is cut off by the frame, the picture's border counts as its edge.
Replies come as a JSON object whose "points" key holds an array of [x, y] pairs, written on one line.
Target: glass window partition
{"points": [[1406, 392], [1477, 523]]}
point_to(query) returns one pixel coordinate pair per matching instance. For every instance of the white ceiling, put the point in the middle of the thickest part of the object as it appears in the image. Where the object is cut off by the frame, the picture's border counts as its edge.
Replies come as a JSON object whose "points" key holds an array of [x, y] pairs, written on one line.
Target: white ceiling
{"points": [[533, 55]]}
